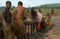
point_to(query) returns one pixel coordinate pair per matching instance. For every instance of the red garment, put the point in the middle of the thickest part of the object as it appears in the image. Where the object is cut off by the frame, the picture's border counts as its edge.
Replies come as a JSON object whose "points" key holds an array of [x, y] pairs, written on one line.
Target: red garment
{"points": [[38, 26]]}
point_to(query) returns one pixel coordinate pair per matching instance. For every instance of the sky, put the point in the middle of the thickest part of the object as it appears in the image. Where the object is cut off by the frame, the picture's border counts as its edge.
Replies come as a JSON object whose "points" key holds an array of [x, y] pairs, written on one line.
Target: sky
{"points": [[31, 3]]}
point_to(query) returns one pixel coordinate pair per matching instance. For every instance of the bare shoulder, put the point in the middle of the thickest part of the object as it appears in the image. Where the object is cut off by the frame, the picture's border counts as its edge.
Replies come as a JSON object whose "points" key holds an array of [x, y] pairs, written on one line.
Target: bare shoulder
{"points": [[23, 7], [15, 9]]}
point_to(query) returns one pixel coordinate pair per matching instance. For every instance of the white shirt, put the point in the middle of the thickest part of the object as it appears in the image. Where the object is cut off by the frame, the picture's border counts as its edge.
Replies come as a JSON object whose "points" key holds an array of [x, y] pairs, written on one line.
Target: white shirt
{"points": [[39, 15]]}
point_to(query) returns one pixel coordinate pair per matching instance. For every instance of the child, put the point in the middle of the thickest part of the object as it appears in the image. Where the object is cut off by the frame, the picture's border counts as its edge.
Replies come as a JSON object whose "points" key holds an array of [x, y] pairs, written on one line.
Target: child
{"points": [[42, 24]]}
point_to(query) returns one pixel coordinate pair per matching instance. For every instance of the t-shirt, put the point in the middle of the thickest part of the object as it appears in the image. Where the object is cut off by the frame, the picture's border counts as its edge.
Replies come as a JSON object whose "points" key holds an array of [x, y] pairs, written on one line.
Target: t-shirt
{"points": [[39, 15]]}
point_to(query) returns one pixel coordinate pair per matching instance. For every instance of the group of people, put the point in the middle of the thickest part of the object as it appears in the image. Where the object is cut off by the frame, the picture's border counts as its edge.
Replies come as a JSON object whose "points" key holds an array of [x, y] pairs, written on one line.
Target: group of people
{"points": [[13, 22]]}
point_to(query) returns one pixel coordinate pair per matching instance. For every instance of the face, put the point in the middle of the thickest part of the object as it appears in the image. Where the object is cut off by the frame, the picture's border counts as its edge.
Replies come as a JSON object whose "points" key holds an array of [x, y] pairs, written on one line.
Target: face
{"points": [[8, 5]]}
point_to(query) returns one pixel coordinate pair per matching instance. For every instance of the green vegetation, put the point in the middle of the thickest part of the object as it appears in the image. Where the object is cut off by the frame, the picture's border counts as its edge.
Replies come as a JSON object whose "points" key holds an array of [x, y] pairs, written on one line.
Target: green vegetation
{"points": [[48, 6], [56, 6], [0, 12], [45, 11], [44, 8]]}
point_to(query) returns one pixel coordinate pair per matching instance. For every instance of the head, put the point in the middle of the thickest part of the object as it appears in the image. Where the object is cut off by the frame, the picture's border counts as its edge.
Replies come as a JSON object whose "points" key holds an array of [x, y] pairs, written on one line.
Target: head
{"points": [[33, 12], [20, 3], [43, 18], [8, 4], [40, 10]]}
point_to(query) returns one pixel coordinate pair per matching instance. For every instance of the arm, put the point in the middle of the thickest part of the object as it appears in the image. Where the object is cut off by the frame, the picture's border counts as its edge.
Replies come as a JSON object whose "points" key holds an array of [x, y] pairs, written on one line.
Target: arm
{"points": [[24, 13]]}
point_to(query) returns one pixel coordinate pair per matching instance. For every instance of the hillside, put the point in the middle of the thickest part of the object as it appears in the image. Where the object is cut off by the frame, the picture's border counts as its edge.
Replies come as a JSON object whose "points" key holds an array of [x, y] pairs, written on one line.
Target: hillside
{"points": [[45, 6], [55, 5]]}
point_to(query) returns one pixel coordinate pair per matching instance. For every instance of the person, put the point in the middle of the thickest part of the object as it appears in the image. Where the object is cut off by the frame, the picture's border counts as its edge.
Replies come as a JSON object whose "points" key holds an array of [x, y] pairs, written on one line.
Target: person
{"points": [[52, 11], [39, 15], [48, 21], [7, 21], [19, 15], [43, 25], [39, 20], [34, 19]]}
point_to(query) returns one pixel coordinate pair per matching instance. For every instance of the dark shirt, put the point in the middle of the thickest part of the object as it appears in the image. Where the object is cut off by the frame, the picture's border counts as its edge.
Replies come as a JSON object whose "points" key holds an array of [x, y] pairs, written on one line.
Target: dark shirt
{"points": [[42, 23], [34, 18], [7, 16]]}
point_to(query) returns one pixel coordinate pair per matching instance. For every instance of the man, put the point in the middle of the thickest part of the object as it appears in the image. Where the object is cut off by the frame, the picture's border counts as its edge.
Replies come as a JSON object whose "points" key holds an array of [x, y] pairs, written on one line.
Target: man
{"points": [[19, 15], [52, 11], [7, 21], [34, 18]]}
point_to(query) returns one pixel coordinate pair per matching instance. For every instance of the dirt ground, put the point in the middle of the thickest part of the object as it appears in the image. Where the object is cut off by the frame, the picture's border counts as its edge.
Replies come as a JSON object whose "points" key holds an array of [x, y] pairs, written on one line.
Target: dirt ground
{"points": [[54, 33]]}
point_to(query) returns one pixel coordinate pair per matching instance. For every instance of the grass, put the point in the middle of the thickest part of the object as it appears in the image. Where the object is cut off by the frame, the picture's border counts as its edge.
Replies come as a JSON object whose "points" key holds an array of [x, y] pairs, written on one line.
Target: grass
{"points": [[0, 12], [45, 11]]}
